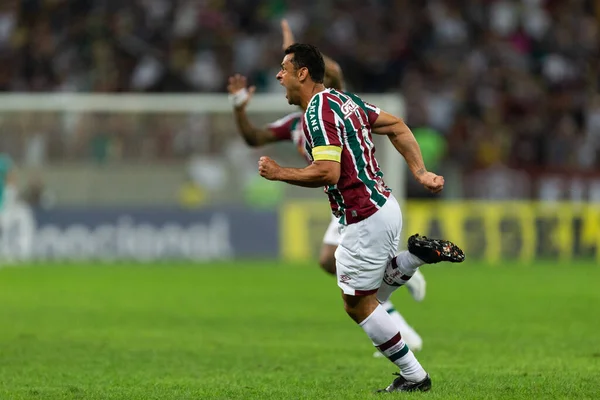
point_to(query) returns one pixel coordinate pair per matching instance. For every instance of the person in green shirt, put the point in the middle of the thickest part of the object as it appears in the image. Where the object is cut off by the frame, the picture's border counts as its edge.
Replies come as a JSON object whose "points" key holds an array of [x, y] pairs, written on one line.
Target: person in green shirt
{"points": [[433, 148], [8, 189], [432, 144]]}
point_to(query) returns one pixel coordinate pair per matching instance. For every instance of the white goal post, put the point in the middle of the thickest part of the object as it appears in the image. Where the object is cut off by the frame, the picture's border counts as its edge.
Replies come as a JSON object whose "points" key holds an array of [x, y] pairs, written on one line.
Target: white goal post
{"points": [[393, 165]]}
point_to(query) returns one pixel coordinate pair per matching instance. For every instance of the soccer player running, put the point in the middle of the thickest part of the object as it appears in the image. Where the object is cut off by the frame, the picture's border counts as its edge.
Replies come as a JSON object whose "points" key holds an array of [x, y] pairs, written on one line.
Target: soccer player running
{"points": [[288, 128], [338, 129]]}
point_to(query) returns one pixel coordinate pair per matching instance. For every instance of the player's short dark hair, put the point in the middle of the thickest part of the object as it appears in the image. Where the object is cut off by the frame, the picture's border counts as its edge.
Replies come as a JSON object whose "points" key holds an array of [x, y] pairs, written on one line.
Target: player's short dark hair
{"points": [[309, 57]]}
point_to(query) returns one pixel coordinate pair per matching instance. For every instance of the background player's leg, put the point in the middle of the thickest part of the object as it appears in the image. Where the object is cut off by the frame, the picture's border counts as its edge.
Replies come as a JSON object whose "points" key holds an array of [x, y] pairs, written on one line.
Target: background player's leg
{"points": [[378, 325], [331, 239], [327, 258], [409, 334], [417, 286]]}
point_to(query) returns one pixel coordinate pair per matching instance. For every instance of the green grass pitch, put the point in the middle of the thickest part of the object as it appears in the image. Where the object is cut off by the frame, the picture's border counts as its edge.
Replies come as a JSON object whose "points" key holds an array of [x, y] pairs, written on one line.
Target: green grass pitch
{"points": [[250, 330]]}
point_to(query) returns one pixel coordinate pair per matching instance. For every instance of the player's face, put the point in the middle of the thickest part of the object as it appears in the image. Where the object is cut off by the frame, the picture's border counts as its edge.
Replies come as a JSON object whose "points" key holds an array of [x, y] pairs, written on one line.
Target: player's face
{"points": [[288, 78]]}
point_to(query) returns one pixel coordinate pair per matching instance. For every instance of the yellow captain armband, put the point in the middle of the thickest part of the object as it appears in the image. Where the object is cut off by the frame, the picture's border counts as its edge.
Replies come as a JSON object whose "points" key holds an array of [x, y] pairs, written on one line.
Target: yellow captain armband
{"points": [[327, 153]]}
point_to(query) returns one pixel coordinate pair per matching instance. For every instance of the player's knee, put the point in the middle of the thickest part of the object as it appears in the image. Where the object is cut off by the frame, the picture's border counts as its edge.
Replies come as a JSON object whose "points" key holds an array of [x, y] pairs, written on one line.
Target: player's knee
{"points": [[327, 263], [359, 307], [352, 311], [327, 259]]}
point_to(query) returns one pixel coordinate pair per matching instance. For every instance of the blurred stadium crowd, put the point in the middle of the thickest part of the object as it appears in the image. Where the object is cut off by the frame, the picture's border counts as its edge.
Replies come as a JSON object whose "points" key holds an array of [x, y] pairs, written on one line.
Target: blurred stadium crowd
{"points": [[502, 82]]}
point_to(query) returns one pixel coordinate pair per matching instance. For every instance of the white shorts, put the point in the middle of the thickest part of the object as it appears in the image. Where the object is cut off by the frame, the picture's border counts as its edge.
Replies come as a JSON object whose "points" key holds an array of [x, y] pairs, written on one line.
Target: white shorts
{"points": [[366, 247], [332, 234]]}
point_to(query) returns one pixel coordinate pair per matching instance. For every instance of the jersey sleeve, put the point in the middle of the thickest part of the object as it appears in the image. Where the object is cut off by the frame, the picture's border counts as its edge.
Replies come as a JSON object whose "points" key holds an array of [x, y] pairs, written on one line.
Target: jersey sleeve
{"points": [[372, 112], [326, 135], [282, 128], [369, 109]]}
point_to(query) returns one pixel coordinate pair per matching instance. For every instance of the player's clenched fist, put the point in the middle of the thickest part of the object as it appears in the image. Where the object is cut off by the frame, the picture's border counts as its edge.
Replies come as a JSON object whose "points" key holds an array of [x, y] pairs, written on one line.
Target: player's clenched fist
{"points": [[267, 168], [432, 182]]}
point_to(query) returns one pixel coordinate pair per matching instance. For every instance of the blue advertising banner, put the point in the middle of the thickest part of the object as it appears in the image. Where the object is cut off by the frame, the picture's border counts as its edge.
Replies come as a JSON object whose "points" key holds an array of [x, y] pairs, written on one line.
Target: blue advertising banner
{"points": [[139, 234]]}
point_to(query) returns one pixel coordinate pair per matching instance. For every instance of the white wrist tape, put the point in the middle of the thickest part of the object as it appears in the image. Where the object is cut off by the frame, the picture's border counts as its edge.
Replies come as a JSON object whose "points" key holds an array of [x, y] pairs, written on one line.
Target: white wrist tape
{"points": [[239, 97]]}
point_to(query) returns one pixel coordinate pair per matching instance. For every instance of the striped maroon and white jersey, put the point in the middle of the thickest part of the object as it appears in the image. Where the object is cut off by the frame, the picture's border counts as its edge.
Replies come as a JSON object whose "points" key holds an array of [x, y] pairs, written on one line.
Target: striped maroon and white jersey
{"points": [[335, 120], [290, 128]]}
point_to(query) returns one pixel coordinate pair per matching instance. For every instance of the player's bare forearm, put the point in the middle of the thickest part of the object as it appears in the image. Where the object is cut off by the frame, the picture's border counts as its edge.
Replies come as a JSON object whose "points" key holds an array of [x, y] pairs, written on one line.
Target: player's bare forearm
{"points": [[407, 145], [316, 175], [403, 140], [253, 135]]}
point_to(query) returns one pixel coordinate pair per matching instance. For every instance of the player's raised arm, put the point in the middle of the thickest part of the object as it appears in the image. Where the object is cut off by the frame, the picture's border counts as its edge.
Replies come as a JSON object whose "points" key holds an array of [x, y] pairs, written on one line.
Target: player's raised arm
{"points": [[333, 72], [288, 36], [404, 141], [240, 96]]}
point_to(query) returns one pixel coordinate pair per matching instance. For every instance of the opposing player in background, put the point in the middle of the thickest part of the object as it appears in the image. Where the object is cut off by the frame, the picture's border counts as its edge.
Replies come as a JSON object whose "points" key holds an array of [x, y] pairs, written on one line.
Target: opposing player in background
{"points": [[338, 129], [289, 128]]}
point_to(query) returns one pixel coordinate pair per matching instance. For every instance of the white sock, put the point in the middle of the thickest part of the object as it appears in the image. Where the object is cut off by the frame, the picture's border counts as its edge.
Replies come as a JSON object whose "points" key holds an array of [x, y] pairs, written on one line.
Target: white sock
{"points": [[398, 271], [385, 336], [408, 263], [409, 334]]}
